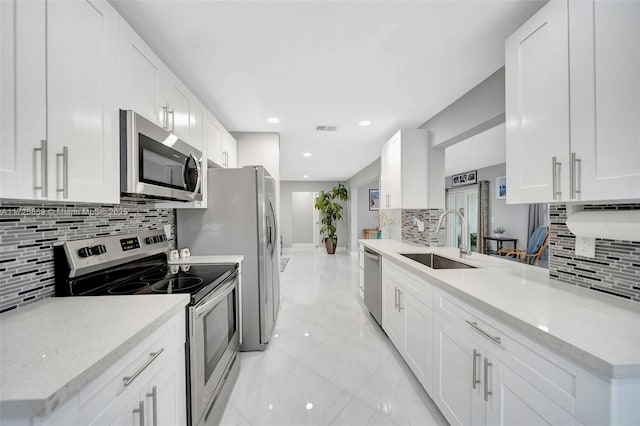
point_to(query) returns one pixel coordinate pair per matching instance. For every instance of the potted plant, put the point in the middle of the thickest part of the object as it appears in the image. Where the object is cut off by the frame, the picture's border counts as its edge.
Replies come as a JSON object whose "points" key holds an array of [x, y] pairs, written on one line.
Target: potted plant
{"points": [[499, 231], [331, 210]]}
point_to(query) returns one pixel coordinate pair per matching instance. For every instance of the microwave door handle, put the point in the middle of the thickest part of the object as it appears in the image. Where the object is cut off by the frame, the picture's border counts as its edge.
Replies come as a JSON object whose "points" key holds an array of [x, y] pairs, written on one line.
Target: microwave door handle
{"points": [[199, 172]]}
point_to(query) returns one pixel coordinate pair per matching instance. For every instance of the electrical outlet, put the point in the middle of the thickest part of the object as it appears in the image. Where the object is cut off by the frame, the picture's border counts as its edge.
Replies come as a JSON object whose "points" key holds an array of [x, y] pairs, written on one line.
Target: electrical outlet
{"points": [[586, 247]]}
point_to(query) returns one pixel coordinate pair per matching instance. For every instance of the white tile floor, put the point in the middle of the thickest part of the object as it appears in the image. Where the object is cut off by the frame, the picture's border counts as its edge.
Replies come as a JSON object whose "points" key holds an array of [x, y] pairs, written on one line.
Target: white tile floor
{"points": [[328, 362]]}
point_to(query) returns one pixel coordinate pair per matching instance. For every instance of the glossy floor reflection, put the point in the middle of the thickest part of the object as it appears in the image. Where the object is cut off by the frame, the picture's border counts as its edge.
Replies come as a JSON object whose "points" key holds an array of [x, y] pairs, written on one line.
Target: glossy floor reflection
{"points": [[328, 362]]}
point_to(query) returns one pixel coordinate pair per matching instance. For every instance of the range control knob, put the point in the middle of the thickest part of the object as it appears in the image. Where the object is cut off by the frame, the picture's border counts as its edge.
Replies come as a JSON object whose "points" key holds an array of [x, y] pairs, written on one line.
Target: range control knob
{"points": [[99, 249], [85, 252], [149, 240]]}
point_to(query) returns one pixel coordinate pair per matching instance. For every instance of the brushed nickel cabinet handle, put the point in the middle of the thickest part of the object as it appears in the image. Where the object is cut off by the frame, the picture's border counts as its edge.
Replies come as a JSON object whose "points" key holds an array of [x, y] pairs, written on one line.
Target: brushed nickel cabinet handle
{"points": [[399, 300], [127, 380], [487, 392], [140, 412], [576, 170], [556, 167], [475, 325], [165, 117], [43, 150], [474, 380], [173, 119], [395, 294], [154, 404], [65, 172]]}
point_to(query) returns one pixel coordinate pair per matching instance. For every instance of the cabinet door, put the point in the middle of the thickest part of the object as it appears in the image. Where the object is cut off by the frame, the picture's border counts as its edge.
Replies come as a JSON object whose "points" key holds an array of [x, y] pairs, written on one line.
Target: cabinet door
{"points": [[23, 132], [121, 413], [165, 395], [514, 401], [457, 374], [384, 175], [537, 107], [605, 87], [214, 142], [83, 119], [392, 319], [197, 121], [418, 348], [178, 99], [231, 151], [395, 172], [139, 76]]}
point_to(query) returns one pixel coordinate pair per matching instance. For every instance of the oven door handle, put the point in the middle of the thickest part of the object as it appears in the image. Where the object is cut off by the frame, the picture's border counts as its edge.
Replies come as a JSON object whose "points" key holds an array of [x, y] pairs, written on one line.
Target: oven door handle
{"points": [[216, 297]]}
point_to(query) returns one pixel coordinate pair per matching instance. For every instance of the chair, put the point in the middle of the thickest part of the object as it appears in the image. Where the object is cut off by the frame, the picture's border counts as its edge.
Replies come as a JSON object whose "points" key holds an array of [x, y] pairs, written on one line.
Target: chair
{"points": [[537, 244]]}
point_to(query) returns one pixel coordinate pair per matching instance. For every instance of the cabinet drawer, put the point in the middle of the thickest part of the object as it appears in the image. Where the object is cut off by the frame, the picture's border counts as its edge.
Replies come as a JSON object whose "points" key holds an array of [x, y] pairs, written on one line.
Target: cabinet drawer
{"points": [[414, 284], [536, 365], [163, 342]]}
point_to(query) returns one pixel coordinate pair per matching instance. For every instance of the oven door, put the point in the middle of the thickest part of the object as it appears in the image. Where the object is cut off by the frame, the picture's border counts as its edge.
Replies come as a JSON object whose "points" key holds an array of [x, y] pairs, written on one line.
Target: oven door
{"points": [[215, 338], [155, 163]]}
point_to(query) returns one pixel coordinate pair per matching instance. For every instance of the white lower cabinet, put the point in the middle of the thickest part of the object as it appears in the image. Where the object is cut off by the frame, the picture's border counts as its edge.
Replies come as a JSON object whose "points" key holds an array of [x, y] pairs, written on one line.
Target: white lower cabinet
{"points": [[474, 388], [406, 318], [146, 386], [480, 371]]}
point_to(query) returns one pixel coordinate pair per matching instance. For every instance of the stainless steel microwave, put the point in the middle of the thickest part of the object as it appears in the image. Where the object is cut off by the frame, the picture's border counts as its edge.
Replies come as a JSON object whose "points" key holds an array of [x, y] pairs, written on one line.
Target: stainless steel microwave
{"points": [[156, 164]]}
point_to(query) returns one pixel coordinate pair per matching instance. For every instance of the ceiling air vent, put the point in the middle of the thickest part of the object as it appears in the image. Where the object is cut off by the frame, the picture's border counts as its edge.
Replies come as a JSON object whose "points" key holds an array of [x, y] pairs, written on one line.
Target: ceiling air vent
{"points": [[326, 128]]}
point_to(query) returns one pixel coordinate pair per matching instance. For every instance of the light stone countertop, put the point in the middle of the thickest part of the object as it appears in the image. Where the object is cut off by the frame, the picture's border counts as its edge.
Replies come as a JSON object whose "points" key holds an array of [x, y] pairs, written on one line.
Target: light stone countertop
{"points": [[51, 349], [597, 331], [193, 260]]}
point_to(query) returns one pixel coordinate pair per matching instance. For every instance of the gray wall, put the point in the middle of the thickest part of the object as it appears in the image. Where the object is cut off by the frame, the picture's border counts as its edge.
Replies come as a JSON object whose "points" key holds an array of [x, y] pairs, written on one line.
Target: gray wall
{"points": [[366, 217], [512, 217], [363, 177], [480, 109], [287, 188], [302, 217]]}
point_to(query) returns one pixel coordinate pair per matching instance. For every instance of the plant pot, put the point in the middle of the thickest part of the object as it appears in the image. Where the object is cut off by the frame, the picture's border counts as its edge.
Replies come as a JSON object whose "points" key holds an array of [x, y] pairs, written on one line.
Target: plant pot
{"points": [[330, 246]]}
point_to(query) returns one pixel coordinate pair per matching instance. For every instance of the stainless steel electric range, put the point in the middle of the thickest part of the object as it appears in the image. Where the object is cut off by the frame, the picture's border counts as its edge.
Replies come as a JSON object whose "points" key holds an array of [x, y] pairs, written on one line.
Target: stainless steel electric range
{"points": [[135, 264]]}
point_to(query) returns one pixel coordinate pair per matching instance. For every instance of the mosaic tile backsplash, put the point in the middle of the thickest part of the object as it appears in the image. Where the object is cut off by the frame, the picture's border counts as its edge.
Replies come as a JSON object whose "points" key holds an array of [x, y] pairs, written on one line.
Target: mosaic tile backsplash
{"points": [[614, 270], [27, 235], [428, 237]]}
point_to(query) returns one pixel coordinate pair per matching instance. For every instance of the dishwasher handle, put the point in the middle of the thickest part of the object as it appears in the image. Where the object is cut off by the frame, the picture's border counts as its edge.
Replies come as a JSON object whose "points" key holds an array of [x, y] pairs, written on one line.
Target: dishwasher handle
{"points": [[372, 255]]}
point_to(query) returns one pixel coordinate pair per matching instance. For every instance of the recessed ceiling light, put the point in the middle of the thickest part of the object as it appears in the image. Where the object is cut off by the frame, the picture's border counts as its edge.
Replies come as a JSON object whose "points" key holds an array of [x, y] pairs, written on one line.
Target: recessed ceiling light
{"points": [[305, 177], [364, 123], [306, 154], [273, 120]]}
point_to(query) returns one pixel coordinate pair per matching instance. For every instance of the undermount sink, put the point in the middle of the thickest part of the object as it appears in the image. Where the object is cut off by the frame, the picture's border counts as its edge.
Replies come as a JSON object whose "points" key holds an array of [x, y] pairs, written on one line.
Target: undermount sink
{"points": [[436, 262]]}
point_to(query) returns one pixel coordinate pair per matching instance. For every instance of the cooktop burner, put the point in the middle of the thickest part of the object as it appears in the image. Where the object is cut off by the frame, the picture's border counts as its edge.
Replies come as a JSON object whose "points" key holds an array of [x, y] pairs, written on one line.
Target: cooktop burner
{"points": [[176, 285], [127, 288]]}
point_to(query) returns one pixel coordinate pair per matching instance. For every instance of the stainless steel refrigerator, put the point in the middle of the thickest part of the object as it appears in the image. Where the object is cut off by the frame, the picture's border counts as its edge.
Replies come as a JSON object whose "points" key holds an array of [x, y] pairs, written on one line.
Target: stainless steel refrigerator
{"points": [[241, 219]]}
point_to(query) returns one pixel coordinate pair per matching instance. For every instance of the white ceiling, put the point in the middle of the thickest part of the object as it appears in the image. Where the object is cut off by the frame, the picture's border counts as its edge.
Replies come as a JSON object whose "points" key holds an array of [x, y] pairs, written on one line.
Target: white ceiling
{"points": [[327, 63], [482, 150]]}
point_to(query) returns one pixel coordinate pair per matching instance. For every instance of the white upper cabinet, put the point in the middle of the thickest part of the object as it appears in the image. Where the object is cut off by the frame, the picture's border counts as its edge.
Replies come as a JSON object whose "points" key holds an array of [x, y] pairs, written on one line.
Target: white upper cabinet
{"points": [[537, 107], [82, 101], [23, 129], [214, 140], [140, 70], [229, 151], [411, 173], [604, 43], [177, 100], [573, 103], [60, 141]]}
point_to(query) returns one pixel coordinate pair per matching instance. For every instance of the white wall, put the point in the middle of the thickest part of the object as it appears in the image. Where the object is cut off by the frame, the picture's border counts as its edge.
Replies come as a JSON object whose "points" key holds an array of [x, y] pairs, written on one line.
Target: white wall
{"points": [[512, 217], [287, 188], [302, 217], [261, 149]]}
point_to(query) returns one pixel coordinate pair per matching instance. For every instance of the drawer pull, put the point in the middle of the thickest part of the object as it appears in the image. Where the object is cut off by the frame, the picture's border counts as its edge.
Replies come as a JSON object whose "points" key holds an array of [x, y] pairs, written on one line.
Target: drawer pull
{"points": [[152, 356], [475, 325]]}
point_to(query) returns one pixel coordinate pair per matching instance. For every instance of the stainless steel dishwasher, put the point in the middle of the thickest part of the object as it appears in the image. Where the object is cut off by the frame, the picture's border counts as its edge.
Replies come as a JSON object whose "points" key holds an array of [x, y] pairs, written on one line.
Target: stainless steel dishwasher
{"points": [[373, 284]]}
